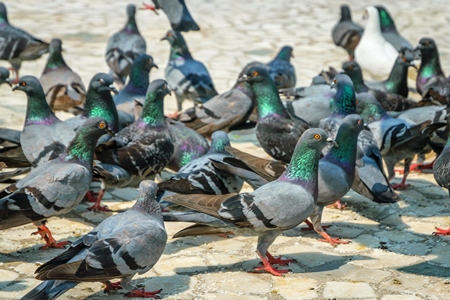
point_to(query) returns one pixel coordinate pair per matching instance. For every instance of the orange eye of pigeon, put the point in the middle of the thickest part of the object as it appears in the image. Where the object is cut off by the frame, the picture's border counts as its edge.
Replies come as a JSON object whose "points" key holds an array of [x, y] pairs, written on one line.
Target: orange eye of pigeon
{"points": [[102, 125], [317, 136], [169, 34], [359, 122], [23, 83], [255, 73]]}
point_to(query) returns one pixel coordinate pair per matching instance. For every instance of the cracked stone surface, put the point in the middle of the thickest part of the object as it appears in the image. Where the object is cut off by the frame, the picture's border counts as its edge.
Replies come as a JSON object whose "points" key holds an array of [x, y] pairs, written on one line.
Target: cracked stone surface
{"points": [[392, 254]]}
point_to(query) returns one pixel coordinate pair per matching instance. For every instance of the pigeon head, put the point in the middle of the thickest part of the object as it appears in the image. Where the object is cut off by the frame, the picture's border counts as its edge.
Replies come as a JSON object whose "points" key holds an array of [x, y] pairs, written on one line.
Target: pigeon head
{"points": [[369, 108], [345, 98], [55, 58], [30, 85], [3, 13], [145, 62], [353, 70], [131, 10], [175, 38], [386, 22], [4, 76], [55, 46], [102, 82], [131, 25], [256, 74], [146, 200], [219, 140], [345, 13], [285, 53], [354, 122], [426, 45], [153, 109]]}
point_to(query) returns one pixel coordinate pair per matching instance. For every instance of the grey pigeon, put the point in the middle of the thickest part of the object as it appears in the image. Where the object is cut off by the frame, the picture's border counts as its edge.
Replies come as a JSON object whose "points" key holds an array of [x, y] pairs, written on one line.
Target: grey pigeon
{"points": [[18, 45], [99, 103], [121, 246], [370, 180], [63, 87], [276, 130], [388, 100], [281, 70], [187, 77], [140, 150], [397, 82], [430, 78], [201, 177], [226, 111], [389, 31], [271, 209], [4, 76], [396, 138], [137, 85], [123, 47], [54, 187], [177, 12], [44, 136], [345, 33]]}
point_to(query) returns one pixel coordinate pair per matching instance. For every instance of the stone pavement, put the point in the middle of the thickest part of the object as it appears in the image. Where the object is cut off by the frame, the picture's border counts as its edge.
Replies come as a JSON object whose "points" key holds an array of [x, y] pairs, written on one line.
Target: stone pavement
{"points": [[393, 254]]}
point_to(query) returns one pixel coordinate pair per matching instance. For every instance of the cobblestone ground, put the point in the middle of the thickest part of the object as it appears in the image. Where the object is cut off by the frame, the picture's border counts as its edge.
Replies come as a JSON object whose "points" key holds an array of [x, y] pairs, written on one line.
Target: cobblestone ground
{"points": [[393, 254]]}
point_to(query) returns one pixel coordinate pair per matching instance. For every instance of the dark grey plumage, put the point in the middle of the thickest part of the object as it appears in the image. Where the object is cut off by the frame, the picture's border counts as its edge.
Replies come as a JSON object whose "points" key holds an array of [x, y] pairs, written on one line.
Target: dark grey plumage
{"points": [[281, 70], [345, 33], [18, 45], [123, 47], [121, 246], [187, 77], [177, 12], [63, 88], [201, 177]]}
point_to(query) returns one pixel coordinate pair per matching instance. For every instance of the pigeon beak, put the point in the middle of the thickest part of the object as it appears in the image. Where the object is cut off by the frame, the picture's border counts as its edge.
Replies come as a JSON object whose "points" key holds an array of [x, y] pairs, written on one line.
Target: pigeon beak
{"points": [[16, 87], [113, 89], [243, 78], [155, 66], [110, 132], [332, 142], [8, 81], [169, 92], [163, 38], [366, 126]]}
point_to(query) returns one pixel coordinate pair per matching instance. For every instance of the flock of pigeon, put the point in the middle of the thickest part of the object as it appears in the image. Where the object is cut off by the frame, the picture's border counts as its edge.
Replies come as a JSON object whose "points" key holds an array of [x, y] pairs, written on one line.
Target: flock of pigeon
{"points": [[332, 137]]}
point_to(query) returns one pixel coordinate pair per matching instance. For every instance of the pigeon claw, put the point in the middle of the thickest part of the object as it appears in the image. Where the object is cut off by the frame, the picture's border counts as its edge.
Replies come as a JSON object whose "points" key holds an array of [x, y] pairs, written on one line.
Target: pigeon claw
{"points": [[142, 293], [267, 267], [99, 208], [441, 231], [91, 196], [47, 236], [278, 261], [332, 241], [400, 186], [337, 205], [149, 7], [112, 286]]}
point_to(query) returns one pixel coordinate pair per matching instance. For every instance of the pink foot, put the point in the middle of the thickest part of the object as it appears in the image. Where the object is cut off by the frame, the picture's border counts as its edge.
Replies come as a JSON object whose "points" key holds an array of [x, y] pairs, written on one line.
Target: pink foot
{"points": [[441, 231], [337, 205], [400, 186], [143, 294], [332, 241], [112, 286], [268, 267], [278, 261], [149, 7]]}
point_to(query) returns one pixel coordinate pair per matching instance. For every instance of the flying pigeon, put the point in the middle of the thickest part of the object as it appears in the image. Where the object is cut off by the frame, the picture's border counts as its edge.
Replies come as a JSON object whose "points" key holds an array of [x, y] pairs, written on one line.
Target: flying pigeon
{"points": [[123, 47], [121, 246], [177, 12]]}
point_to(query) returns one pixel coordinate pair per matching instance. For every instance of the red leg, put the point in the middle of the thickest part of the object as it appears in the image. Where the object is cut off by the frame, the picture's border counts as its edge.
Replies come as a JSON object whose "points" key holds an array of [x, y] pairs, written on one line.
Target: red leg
{"points": [[311, 226], [50, 242], [328, 239], [418, 167], [441, 231], [278, 260], [142, 293], [149, 7], [268, 267], [97, 207], [91, 196], [112, 286], [400, 186], [16, 79], [337, 205]]}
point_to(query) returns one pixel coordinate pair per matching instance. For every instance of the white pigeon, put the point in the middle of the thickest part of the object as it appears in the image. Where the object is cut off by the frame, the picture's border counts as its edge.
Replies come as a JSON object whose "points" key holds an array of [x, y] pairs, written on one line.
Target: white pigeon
{"points": [[374, 54]]}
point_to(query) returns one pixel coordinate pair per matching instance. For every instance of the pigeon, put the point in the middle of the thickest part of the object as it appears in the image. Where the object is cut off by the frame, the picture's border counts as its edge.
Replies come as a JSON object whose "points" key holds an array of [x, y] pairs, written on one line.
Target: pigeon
{"points": [[121, 246], [430, 78], [373, 53], [4, 76], [271, 209], [44, 136], [389, 31], [137, 86], [396, 138], [324, 77], [54, 187], [140, 150], [345, 33], [370, 180], [188, 145], [177, 12], [336, 170], [276, 130], [281, 70], [201, 177], [187, 77], [99, 103], [312, 103], [123, 47], [62, 86], [227, 111], [389, 101], [18, 45], [397, 82]]}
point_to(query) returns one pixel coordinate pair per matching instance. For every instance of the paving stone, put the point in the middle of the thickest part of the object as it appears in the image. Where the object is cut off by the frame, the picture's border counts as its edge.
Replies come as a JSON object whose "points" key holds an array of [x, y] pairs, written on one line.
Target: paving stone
{"points": [[231, 281], [291, 288], [350, 290]]}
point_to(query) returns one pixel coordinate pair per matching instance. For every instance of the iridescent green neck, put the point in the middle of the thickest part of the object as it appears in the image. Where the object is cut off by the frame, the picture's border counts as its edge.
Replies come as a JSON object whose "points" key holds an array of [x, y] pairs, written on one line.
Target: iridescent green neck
{"points": [[430, 65], [344, 101], [398, 78], [131, 26], [139, 78], [344, 155], [179, 50], [358, 82], [303, 168], [55, 60], [38, 110], [81, 148], [218, 145], [267, 99], [153, 112], [101, 105], [386, 22], [285, 54], [373, 112]]}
